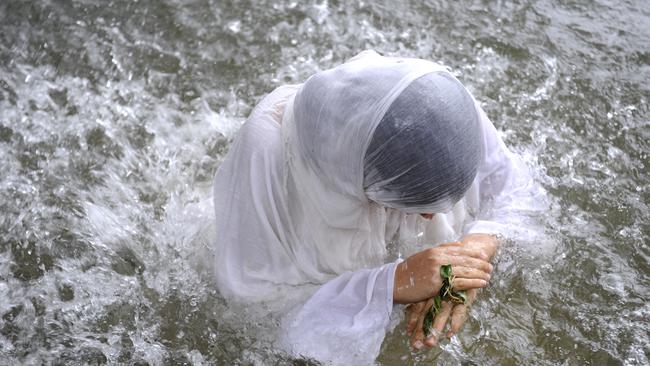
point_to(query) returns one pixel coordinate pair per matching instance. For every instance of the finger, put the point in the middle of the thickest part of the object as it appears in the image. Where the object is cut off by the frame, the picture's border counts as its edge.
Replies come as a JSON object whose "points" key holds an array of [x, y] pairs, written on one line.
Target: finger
{"points": [[464, 261], [471, 296], [461, 284], [451, 244], [460, 313], [479, 264], [439, 324], [471, 273], [458, 318], [417, 337], [459, 250], [413, 312]]}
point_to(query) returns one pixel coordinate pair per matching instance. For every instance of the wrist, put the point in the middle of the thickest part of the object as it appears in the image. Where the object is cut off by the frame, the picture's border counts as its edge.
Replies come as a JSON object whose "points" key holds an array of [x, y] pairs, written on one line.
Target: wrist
{"points": [[398, 284], [404, 285]]}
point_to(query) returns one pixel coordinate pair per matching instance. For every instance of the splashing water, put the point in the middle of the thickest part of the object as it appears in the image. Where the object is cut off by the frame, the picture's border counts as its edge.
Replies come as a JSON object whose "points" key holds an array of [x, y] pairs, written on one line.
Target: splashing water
{"points": [[115, 115]]}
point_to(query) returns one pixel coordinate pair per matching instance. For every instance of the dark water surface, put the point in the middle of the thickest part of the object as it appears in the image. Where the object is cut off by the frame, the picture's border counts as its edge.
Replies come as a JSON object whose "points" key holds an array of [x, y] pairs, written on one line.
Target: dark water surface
{"points": [[115, 114]]}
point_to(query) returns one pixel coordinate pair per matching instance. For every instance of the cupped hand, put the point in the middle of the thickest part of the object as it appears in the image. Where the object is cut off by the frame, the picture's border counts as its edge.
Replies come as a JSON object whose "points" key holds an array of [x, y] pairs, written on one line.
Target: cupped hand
{"points": [[456, 315], [418, 277]]}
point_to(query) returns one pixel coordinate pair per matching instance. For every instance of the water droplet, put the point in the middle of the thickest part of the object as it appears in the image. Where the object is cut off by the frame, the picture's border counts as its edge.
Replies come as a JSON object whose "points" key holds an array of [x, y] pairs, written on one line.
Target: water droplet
{"points": [[234, 26]]}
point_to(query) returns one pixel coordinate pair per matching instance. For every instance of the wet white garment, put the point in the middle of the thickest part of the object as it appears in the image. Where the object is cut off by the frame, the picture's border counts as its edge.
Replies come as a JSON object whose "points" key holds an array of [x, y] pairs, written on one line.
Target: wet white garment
{"points": [[286, 224]]}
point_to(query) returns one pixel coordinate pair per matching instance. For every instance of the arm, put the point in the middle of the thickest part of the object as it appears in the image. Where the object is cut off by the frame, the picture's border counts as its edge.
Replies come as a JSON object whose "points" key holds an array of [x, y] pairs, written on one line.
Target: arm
{"points": [[350, 312], [498, 180]]}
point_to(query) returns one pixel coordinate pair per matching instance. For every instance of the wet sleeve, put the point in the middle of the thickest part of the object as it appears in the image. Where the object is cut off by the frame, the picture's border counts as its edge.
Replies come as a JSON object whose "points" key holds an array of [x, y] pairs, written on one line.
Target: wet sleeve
{"points": [[502, 182], [346, 320]]}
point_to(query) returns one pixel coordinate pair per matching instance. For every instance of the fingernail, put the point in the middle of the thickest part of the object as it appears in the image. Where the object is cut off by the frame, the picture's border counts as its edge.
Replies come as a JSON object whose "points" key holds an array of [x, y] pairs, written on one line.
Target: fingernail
{"points": [[418, 345]]}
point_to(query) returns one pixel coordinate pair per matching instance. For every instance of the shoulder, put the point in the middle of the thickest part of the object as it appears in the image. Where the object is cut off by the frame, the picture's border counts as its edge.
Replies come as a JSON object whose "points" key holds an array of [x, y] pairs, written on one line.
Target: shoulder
{"points": [[268, 106], [262, 129]]}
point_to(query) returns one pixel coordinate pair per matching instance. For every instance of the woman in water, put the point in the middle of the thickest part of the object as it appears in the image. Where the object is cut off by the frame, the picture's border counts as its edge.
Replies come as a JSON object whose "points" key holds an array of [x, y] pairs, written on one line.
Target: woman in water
{"points": [[330, 183]]}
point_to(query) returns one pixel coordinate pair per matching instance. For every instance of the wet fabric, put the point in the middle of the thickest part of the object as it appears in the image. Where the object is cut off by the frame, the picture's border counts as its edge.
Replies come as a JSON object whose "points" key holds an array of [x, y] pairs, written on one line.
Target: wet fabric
{"points": [[304, 211], [425, 152]]}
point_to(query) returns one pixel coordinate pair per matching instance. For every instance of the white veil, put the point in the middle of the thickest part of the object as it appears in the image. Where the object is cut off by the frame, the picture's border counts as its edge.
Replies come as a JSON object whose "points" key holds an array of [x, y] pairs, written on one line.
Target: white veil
{"points": [[296, 197], [295, 212]]}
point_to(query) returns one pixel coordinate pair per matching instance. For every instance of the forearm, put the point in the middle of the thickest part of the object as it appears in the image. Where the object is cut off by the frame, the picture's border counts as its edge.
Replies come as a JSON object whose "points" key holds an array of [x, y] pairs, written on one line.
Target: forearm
{"points": [[351, 310]]}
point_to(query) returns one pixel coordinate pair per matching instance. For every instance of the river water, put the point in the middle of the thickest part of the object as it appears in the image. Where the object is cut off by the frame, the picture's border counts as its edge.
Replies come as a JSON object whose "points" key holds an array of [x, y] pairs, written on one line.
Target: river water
{"points": [[114, 116]]}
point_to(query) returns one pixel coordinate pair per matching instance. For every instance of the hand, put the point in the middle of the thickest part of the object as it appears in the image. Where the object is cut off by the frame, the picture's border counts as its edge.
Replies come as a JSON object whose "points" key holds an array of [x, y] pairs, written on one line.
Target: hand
{"points": [[415, 314], [457, 314], [418, 277], [488, 244]]}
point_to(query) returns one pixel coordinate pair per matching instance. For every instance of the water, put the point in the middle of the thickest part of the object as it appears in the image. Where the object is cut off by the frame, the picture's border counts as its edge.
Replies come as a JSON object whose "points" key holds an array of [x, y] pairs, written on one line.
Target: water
{"points": [[114, 116]]}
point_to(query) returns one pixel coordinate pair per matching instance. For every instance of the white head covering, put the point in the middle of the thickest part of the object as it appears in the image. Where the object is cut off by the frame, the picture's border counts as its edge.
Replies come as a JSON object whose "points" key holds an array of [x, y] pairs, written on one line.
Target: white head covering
{"points": [[425, 152], [313, 207]]}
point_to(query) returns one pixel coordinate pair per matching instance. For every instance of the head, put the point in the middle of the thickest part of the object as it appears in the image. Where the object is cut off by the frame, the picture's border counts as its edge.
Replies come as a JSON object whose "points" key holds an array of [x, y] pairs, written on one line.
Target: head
{"points": [[425, 151], [401, 132]]}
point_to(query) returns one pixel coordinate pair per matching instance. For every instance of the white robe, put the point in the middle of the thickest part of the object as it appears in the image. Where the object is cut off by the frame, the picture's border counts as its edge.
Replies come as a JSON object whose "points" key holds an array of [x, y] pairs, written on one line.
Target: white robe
{"points": [[282, 230]]}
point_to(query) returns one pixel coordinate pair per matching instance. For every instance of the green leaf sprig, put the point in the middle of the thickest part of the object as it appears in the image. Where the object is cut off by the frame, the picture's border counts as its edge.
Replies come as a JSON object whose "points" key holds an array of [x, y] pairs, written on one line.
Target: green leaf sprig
{"points": [[446, 293]]}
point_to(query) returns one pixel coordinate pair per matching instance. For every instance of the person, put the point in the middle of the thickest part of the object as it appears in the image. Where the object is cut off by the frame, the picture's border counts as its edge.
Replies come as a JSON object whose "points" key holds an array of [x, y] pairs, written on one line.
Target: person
{"points": [[330, 182]]}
